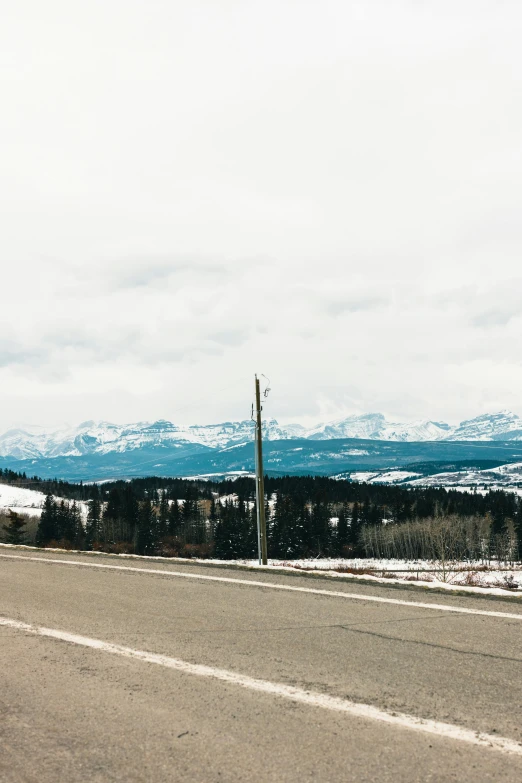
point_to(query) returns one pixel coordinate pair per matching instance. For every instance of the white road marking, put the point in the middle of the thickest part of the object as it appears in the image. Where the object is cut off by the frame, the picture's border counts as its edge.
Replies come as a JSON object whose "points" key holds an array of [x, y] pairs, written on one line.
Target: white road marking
{"points": [[310, 698], [274, 586]]}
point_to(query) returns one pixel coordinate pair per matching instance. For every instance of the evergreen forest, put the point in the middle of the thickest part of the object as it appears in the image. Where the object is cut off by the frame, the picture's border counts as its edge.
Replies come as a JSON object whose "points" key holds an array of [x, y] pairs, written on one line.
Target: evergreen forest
{"points": [[307, 516]]}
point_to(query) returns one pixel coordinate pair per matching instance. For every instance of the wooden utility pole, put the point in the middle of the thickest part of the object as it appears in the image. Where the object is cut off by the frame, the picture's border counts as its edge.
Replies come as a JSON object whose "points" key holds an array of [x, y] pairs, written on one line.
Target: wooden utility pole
{"points": [[260, 482]]}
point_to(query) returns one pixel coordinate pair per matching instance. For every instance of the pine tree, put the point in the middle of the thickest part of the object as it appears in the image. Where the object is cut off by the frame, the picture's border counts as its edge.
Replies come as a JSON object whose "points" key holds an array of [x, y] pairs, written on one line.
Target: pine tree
{"points": [[174, 519], [343, 531], [129, 513], [147, 537], [252, 542], [192, 526], [247, 532], [212, 518], [93, 527], [113, 508], [163, 518], [366, 512], [321, 532], [232, 528], [198, 528], [14, 530], [287, 529], [189, 508], [517, 519], [76, 525], [66, 522], [48, 525], [355, 530]]}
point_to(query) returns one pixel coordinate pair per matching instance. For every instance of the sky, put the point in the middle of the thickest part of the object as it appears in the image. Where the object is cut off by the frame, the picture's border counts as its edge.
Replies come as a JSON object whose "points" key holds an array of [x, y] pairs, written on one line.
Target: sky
{"points": [[325, 192]]}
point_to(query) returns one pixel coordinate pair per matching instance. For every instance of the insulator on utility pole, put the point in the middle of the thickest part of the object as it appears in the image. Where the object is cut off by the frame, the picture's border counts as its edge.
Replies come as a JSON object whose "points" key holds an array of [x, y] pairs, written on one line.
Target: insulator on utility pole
{"points": [[260, 483]]}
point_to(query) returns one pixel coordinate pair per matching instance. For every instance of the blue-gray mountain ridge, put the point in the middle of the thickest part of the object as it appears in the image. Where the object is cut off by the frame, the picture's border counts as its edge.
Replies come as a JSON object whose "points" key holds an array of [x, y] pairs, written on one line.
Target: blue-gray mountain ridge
{"points": [[103, 438], [96, 451]]}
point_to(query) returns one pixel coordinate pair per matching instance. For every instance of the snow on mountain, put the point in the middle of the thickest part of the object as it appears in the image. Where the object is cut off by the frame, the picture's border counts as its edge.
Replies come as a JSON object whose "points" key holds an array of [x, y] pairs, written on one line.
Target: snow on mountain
{"points": [[373, 426], [417, 431], [370, 426], [23, 444], [491, 426], [103, 437], [33, 442]]}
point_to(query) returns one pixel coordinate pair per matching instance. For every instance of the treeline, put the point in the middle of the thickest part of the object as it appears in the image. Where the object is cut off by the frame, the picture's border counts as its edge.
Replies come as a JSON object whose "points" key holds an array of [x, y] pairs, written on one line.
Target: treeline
{"points": [[142, 487], [61, 522], [307, 517], [377, 501], [120, 520], [445, 539], [381, 501], [55, 487], [223, 527]]}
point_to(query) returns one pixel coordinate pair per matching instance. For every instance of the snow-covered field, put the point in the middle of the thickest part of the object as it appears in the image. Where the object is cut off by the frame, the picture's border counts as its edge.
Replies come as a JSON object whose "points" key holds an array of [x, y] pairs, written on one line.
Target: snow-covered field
{"points": [[22, 500], [389, 477], [504, 477], [27, 501]]}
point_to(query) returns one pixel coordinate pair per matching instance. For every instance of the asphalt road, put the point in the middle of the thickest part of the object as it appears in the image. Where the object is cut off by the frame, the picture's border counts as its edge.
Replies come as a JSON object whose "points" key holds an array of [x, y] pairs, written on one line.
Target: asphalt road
{"points": [[74, 711]]}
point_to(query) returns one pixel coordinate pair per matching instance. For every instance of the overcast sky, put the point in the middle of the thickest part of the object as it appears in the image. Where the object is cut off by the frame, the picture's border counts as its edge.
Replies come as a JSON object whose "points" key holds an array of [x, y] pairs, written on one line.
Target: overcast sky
{"points": [[326, 192]]}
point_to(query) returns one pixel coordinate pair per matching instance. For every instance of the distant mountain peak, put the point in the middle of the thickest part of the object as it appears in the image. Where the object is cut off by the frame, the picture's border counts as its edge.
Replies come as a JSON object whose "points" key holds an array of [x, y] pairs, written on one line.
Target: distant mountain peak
{"points": [[504, 425], [101, 437]]}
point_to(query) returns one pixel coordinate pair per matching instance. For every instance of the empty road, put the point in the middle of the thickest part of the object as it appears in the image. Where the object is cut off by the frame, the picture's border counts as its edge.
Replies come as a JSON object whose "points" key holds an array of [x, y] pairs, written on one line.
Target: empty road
{"points": [[117, 669]]}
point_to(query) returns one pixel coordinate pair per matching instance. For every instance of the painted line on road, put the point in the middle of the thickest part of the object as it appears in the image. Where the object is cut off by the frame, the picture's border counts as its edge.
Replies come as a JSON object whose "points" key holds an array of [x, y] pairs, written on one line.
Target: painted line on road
{"points": [[310, 698], [275, 586]]}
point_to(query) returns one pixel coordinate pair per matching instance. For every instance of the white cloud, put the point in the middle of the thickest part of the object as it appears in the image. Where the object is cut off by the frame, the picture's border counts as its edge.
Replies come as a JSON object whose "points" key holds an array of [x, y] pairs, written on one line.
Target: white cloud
{"points": [[194, 191]]}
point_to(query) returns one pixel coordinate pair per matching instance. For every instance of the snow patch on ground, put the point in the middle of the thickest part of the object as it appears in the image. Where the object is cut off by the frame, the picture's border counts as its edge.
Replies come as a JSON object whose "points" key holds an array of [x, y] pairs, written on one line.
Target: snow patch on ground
{"points": [[470, 577], [11, 496], [378, 477], [393, 476], [363, 476], [28, 501]]}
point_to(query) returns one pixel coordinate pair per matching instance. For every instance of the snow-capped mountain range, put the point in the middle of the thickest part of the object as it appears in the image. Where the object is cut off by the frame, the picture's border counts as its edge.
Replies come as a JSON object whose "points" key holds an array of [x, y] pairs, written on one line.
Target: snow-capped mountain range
{"points": [[103, 438]]}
